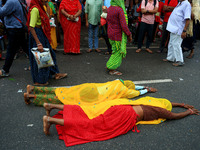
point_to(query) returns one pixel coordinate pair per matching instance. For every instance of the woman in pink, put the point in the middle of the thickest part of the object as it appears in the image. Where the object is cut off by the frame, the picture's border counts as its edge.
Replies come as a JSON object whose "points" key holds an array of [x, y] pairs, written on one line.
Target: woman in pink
{"points": [[70, 11]]}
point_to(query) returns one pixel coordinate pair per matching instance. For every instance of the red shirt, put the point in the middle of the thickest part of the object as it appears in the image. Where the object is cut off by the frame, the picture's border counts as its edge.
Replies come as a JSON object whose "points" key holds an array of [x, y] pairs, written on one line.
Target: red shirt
{"points": [[172, 3], [160, 8], [116, 23]]}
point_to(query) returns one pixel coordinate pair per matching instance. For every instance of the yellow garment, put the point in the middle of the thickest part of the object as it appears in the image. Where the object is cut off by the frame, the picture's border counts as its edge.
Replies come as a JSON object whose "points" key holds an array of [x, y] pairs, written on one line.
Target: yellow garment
{"points": [[35, 18], [90, 94], [96, 98], [53, 43]]}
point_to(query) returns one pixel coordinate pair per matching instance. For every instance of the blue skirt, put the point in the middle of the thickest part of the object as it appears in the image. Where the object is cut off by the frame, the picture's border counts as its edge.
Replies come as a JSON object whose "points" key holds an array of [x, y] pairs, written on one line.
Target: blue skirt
{"points": [[41, 75]]}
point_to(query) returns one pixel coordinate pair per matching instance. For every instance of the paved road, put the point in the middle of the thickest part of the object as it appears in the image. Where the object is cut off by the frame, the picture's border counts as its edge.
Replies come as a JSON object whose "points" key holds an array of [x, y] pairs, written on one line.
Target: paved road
{"points": [[21, 125]]}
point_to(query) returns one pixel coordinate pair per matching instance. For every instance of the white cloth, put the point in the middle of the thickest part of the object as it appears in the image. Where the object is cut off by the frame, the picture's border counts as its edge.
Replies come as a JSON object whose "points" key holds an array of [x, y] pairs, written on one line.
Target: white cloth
{"points": [[177, 19], [175, 53]]}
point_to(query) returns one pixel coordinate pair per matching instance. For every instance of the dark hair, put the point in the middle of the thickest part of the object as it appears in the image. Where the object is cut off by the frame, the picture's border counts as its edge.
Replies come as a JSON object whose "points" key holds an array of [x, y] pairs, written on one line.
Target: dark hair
{"points": [[3, 2]]}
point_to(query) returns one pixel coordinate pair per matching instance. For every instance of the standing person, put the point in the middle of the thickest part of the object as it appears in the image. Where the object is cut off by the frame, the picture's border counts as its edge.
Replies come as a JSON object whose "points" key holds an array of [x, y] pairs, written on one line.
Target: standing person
{"points": [[70, 11], [188, 42], [40, 37], [93, 11], [117, 33], [2, 32], [51, 11], [148, 9], [168, 7], [177, 26], [12, 12]]}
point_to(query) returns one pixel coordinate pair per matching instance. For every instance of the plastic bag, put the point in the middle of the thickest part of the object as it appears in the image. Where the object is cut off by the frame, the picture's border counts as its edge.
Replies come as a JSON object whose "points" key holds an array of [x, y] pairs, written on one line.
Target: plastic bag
{"points": [[43, 59]]}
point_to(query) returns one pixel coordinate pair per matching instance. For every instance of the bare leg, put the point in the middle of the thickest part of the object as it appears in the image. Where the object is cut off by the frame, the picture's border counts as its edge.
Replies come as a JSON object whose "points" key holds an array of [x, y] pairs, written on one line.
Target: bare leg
{"points": [[49, 107], [191, 54], [48, 121]]}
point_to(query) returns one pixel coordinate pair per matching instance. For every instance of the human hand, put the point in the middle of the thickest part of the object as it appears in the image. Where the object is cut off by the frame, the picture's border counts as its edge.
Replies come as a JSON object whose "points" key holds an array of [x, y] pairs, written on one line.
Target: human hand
{"points": [[183, 35], [71, 17], [187, 106], [130, 38], [193, 111], [104, 8], [40, 47], [87, 24]]}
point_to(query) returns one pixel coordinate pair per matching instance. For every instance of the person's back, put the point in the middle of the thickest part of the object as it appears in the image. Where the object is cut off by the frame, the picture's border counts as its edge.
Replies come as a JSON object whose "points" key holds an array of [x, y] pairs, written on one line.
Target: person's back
{"points": [[12, 10]]}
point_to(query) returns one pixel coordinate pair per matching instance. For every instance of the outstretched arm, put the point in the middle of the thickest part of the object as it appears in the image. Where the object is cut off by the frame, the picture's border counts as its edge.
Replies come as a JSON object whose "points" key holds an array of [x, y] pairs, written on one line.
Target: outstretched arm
{"points": [[182, 105]]}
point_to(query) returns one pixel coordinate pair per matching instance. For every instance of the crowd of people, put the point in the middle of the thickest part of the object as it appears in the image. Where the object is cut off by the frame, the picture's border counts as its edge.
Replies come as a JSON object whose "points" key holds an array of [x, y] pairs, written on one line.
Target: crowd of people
{"points": [[116, 21], [96, 111]]}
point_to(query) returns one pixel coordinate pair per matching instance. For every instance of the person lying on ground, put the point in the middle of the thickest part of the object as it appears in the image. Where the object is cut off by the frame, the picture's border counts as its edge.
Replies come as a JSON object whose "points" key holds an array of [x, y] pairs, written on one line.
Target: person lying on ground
{"points": [[85, 93], [74, 127]]}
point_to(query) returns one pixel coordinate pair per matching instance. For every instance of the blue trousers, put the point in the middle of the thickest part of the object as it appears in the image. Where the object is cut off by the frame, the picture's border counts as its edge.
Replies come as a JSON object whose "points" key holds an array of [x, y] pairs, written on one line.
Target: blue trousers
{"points": [[93, 31]]}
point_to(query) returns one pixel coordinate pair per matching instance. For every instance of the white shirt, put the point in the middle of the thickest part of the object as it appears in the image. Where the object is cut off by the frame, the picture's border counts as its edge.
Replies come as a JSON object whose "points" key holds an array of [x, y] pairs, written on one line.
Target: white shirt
{"points": [[177, 19]]}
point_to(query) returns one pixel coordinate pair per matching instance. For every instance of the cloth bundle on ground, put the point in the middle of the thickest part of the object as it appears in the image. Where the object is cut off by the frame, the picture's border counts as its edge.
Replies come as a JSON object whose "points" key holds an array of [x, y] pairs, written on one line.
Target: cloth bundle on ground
{"points": [[115, 121]]}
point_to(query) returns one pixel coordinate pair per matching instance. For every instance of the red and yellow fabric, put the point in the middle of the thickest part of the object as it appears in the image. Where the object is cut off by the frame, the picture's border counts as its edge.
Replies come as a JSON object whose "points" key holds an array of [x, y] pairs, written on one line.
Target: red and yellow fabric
{"points": [[53, 30], [114, 121], [71, 29], [44, 18]]}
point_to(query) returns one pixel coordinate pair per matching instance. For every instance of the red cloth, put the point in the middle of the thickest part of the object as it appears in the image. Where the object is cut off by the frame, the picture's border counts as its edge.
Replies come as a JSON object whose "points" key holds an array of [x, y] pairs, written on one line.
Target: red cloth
{"points": [[160, 8], [79, 129], [172, 3], [44, 18], [71, 29], [139, 11]]}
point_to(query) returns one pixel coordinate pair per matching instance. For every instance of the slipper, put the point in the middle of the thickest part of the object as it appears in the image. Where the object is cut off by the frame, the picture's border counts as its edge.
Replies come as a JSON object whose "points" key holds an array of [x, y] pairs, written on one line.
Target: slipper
{"points": [[39, 84], [27, 68], [89, 50], [107, 53], [60, 75], [138, 50], [97, 50], [115, 72], [177, 64], [149, 51]]}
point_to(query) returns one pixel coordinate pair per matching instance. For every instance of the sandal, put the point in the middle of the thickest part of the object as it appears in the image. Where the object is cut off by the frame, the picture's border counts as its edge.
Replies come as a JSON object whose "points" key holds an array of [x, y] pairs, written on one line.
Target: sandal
{"points": [[60, 75], [89, 50], [3, 73], [39, 84], [149, 51], [177, 64], [26, 99], [108, 53], [138, 50], [97, 50], [27, 68], [115, 72]]}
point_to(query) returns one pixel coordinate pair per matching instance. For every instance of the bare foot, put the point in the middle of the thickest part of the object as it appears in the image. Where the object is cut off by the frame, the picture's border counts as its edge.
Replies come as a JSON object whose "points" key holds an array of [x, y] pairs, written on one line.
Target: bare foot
{"points": [[48, 108], [29, 88], [26, 98], [46, 125], [190, 56]]}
